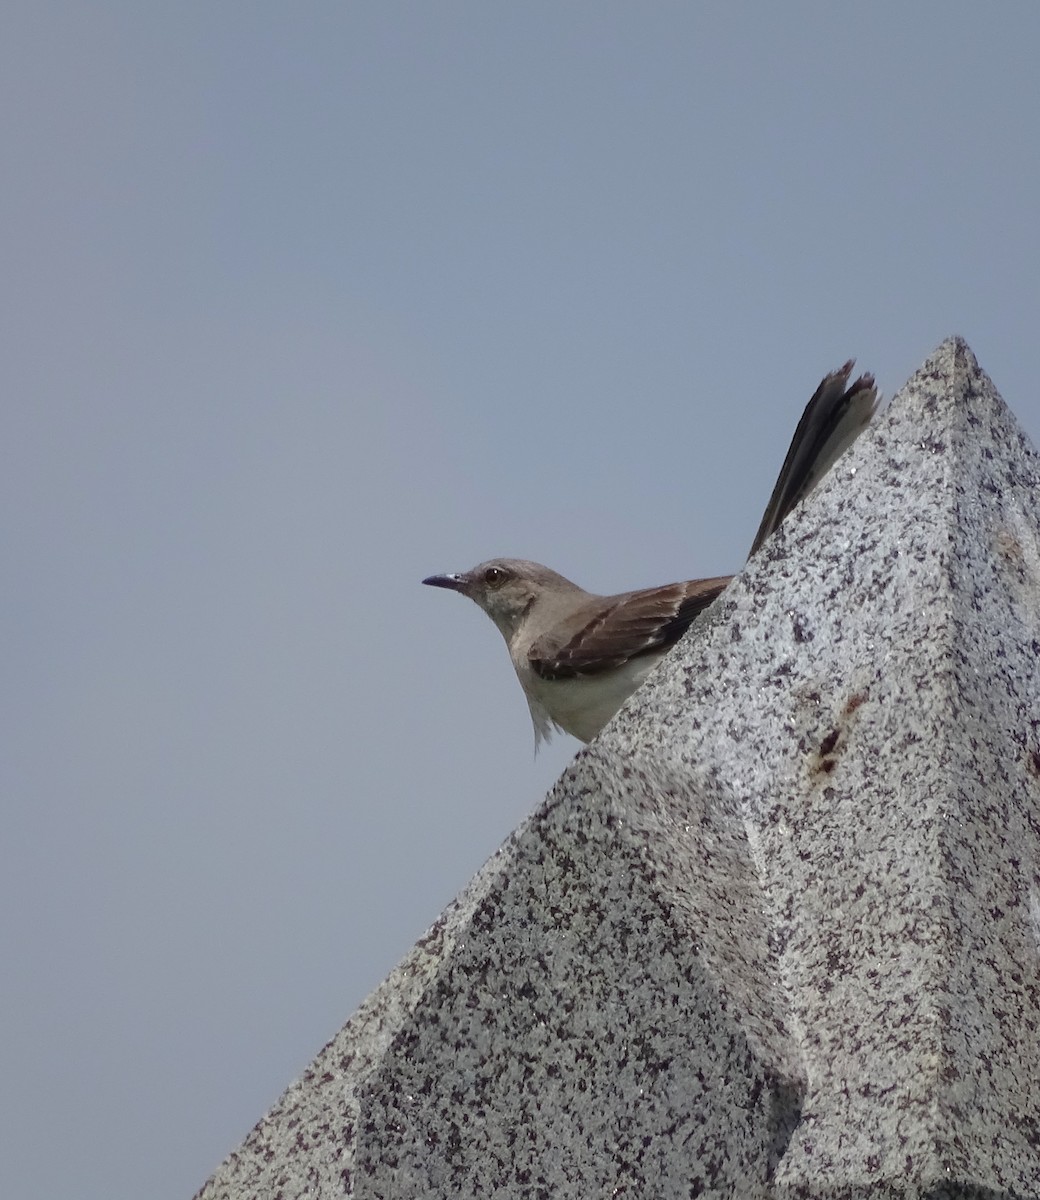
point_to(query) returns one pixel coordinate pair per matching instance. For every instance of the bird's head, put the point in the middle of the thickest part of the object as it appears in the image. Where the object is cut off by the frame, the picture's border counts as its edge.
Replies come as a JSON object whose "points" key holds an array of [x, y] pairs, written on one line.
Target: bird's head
{"points": [[507, 589]]}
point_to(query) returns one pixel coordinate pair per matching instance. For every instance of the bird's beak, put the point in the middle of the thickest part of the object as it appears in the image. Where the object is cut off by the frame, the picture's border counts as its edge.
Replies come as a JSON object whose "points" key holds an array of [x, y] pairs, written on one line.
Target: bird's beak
{"points": [[453, 582]]}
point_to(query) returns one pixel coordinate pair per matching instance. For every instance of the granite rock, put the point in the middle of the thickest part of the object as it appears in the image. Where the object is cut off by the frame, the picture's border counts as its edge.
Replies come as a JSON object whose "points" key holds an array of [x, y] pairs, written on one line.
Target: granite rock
{"points": [[776, 932]]}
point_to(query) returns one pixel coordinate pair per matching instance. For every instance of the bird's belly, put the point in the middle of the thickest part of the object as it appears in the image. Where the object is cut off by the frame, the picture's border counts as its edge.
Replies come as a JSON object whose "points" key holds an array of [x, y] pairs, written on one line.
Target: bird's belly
{"points": [[582, 706]]}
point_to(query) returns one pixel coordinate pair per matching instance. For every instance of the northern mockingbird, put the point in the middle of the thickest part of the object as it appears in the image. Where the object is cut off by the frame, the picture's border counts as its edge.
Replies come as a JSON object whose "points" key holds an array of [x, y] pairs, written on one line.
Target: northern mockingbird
{"points": [[579, 656]]}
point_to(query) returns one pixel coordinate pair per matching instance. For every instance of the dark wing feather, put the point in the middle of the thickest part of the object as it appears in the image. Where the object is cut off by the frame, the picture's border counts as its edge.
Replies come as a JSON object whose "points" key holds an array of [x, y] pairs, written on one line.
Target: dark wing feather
{"points": [[625, 627], [833, 419]]}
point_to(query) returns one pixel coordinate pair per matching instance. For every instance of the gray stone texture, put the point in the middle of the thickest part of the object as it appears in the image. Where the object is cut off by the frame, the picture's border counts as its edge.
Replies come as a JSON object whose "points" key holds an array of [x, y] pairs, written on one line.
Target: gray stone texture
{"points": [[777, 931]]}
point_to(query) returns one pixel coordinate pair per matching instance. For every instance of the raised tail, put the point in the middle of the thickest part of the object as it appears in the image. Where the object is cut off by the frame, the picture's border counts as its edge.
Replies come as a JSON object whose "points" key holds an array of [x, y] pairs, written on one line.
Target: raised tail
{"points": [[835, 416]]}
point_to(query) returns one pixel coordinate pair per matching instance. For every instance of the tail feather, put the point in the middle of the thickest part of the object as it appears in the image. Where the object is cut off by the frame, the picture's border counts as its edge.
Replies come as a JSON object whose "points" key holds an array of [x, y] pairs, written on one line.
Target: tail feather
{"points": [[833, 419]]}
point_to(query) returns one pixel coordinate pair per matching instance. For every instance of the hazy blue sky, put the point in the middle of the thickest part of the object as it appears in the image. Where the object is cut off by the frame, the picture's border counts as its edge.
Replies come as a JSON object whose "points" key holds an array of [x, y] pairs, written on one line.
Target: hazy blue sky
{"points": [[305, 302]]}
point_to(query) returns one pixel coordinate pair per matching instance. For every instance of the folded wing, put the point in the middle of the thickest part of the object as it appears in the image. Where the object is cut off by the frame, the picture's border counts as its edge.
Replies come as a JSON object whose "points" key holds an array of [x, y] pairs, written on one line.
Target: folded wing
{"points": [[625, 627]]}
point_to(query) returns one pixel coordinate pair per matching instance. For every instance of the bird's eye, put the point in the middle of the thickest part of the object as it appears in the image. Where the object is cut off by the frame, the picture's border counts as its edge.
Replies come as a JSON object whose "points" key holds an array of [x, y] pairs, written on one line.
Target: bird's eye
{"points": [[494, 577]]}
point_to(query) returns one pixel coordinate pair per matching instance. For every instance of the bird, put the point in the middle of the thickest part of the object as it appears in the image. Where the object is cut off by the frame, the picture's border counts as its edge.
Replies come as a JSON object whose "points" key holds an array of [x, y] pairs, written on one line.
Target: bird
{"points": [[578, 655]]}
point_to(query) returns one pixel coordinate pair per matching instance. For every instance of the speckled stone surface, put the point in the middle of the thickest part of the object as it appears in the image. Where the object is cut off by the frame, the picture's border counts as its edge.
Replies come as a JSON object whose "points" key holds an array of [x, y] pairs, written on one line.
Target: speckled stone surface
{"points": [[777, 931]]}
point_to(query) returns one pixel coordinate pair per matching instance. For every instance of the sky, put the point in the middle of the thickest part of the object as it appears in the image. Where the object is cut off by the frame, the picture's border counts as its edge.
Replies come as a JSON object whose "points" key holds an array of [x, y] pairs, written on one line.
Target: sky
{"points": [[302, 303]]}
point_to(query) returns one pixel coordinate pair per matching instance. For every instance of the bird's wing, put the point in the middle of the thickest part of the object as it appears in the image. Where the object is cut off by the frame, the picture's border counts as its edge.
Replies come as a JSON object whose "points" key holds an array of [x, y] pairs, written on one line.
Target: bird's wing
{"points": [[625, 627], [833, 419]]}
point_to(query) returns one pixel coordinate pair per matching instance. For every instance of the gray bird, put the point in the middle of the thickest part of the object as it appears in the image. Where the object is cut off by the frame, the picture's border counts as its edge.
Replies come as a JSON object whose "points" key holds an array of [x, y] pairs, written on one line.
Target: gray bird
{"points": [[579, 656]]}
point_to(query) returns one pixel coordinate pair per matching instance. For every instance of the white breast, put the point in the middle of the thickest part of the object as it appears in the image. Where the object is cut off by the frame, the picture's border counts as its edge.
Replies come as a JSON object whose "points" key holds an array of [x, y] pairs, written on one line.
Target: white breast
{"points": [[582, 706]]}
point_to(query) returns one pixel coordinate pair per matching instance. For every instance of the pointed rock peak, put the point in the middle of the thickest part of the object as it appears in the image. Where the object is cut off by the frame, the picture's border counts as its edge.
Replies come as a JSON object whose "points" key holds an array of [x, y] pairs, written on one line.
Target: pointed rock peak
{"points": [[776, 930]]}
